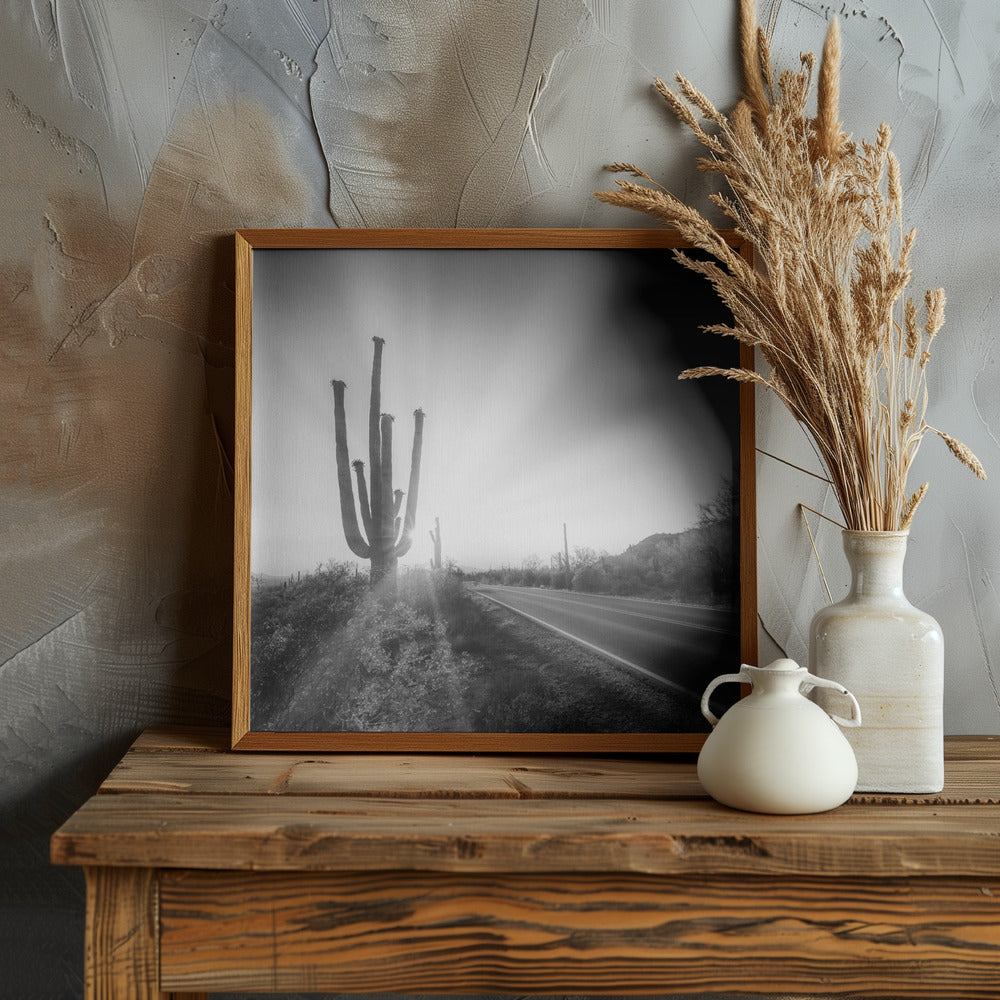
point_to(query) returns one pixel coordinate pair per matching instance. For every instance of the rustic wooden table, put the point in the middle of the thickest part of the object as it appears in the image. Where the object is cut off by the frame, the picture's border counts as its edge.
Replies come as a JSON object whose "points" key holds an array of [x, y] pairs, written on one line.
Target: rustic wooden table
{"points": [[211, 870]]}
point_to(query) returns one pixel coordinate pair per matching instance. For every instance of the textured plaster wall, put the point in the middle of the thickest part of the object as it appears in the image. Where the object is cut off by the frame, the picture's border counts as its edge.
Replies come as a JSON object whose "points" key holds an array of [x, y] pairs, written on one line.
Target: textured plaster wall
{"points": [[136, 136]]}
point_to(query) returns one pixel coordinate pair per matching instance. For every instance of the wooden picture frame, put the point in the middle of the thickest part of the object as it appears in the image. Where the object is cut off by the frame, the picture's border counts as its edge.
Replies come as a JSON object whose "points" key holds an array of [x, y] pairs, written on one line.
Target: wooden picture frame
{"points": [[612, 313]]}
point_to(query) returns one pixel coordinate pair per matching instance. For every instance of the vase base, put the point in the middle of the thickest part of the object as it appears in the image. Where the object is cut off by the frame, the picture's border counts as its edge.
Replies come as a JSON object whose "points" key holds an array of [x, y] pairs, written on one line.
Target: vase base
{"points": [[882, 767], [881, 789]]}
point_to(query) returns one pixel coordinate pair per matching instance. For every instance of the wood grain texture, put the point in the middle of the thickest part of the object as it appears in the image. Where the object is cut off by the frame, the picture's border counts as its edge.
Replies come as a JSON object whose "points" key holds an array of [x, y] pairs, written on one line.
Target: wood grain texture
{"points": [[188, 739], [528, 835], [591, 934], [193, 771], [467, 743], [486, 239], [396, 776], [241, 491], [528, 874], [972, 748], [178, 799], [243, 738], [121, 952]]}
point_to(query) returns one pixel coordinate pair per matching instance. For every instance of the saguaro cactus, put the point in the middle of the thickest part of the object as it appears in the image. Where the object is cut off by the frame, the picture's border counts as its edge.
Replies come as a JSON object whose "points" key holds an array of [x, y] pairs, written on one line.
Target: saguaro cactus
{"points": [[436, 539], [387, 536]]}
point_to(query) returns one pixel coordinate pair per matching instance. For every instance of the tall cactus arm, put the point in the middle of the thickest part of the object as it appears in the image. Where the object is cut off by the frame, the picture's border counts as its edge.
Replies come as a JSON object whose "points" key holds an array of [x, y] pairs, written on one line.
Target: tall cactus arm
{"points": [[387, 533], [352, 533], [375, 440], [366, 511], [410, 518], [397, 522]]}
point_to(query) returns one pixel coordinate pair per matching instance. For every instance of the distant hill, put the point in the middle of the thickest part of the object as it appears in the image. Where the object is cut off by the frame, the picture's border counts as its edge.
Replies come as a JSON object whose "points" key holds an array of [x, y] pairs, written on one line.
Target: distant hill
{"points": [[699, 565], [655, 543], [696, 565]]}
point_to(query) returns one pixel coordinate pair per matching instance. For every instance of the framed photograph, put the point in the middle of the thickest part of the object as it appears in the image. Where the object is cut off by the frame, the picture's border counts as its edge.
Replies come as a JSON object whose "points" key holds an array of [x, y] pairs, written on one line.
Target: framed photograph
{"points": [[476, 510]]}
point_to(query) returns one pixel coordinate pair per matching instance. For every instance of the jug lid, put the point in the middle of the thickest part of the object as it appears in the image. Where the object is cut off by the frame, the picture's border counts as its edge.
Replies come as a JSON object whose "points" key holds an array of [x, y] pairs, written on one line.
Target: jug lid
{"points": [[782, 665]]}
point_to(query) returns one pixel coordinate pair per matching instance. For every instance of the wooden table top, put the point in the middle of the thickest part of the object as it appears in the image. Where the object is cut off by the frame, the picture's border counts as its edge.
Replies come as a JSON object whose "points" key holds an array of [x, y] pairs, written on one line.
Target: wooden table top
{"points": [[181, 799]]}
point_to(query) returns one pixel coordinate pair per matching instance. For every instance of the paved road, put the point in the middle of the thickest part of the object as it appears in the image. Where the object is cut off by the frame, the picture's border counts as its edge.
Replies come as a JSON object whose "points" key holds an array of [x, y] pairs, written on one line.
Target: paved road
{"points": [[681, 646]]}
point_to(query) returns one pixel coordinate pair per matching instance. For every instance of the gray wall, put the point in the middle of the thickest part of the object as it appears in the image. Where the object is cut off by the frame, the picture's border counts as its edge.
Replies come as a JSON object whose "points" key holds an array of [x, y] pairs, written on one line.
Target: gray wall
{"points": [[137, 136]]}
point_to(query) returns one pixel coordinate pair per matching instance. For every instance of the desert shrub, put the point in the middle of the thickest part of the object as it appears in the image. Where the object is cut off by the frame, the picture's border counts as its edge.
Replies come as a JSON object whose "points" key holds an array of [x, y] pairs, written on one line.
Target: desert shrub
{"points": [[398, 672], [289, 620], [591, 580]]}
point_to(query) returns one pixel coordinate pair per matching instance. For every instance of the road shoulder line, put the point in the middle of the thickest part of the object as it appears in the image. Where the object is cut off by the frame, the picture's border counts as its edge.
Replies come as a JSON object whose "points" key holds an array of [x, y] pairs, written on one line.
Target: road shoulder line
{"points": [[673, 685]]}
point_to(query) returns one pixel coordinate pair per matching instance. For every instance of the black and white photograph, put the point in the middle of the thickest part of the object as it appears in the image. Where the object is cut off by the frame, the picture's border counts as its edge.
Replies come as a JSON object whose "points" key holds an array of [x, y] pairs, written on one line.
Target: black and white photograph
{"points": [[482, 501]]}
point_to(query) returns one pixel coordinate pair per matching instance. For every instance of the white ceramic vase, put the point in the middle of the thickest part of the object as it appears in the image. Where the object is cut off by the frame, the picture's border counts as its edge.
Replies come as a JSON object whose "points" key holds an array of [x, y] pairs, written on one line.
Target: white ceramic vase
{"points": [[775, 751], [891, 655]]}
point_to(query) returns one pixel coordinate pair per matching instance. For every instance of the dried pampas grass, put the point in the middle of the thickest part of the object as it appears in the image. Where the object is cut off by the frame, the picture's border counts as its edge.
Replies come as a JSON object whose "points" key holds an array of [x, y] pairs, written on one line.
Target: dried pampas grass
{"points": [[823, 302]]}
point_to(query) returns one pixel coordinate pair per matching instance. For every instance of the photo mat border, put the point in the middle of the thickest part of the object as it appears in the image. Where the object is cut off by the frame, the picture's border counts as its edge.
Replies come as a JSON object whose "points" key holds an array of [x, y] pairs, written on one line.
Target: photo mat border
{"points": [[242, 736]]}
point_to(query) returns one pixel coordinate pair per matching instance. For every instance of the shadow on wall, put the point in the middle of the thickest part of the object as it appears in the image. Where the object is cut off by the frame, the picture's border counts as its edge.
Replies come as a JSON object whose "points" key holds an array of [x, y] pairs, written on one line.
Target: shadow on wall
{"points": [[197, 611], [41, 905], [118, 511], [111, 662], [116, 459]]}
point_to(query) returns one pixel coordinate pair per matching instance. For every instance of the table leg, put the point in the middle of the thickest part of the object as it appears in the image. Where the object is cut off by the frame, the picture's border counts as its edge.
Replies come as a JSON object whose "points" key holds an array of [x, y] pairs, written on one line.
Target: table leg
{"points": [[122, 952]]}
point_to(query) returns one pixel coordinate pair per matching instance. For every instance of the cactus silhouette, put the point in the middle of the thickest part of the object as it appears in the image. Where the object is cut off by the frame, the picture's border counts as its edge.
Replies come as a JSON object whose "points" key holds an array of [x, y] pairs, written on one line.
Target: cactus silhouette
{"points": [[436, 539], [387, 536]]}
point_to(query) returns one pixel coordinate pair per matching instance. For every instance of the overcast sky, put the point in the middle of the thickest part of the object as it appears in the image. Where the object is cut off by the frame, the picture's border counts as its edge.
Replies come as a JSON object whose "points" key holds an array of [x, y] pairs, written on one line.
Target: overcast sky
{"points": [[549, 397]]}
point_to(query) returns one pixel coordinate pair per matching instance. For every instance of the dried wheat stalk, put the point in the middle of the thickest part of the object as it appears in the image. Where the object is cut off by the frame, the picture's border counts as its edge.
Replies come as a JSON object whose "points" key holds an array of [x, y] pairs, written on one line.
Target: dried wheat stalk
{"points": [[824, 302]]}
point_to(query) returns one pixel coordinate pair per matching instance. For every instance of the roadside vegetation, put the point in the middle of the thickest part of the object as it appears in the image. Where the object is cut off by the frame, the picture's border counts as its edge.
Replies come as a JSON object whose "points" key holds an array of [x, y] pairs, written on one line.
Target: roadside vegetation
{"points": [[328, 655]]}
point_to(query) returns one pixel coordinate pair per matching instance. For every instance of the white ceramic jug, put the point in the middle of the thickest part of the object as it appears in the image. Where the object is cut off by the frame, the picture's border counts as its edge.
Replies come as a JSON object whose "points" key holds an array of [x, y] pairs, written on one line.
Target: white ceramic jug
{"points": [[775, 751]]}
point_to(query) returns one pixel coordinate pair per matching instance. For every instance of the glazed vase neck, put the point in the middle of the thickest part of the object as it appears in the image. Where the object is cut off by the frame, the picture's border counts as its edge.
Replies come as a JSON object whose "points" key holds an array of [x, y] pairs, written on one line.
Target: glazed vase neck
{"points": [[876, 561], [777, 678]]}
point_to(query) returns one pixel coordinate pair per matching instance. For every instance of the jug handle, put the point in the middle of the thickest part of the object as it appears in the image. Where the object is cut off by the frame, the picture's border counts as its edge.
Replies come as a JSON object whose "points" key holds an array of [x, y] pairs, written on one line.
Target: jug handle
{"points": [[741, 678], [812, 681]]}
